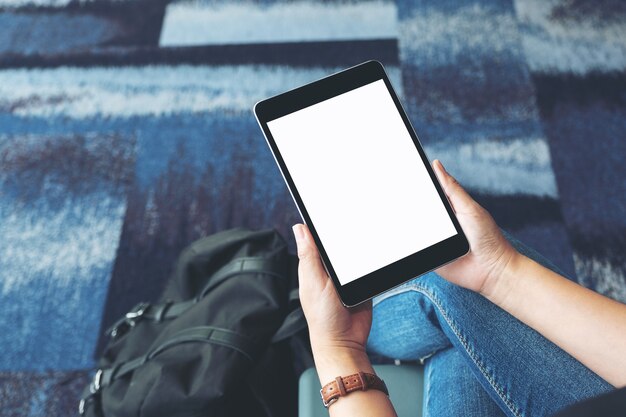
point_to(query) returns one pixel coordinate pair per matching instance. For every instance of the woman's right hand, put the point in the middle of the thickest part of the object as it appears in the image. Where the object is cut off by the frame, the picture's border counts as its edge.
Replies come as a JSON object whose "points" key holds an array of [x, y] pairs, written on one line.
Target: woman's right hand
{"points": [[490, 253], [585, 324]]}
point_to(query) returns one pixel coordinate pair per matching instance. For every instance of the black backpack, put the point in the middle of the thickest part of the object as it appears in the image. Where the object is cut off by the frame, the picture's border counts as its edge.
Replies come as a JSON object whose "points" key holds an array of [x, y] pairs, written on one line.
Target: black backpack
{"points": [[227, 339]]}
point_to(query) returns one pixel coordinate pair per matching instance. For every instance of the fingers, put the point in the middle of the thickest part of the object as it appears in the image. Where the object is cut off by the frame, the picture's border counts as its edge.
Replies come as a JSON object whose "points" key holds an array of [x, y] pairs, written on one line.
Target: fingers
{"points": [[310, 263], [460, 199]]}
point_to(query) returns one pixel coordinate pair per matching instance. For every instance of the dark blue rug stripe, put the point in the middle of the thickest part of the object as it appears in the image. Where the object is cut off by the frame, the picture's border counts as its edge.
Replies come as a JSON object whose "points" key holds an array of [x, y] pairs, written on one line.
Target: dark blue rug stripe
{"points": [[306, 54], [585, 120], [42, 32]]}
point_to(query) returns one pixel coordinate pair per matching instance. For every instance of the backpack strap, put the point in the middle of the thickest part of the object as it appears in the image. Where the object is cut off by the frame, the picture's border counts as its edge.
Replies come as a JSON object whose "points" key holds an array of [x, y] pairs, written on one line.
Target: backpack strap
{"points": [[146, 311], [294, 296], [293, 323], [209, 334], [203, 334], [170, 310], [247, 265]]}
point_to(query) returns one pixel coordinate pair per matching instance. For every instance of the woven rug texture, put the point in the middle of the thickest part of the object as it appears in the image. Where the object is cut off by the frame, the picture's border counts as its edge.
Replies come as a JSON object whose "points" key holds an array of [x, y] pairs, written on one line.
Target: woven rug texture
{"points": [[126, 132]]}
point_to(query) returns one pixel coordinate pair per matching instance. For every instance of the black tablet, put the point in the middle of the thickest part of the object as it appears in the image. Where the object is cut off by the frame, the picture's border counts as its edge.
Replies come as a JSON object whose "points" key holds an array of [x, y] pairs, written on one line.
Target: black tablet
{"points": [[361, 181]]}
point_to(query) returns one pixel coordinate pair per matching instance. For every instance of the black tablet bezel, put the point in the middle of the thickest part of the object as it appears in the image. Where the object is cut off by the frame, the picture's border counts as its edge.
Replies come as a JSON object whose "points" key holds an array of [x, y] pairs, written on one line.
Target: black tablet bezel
{"points": [[383, 279]]}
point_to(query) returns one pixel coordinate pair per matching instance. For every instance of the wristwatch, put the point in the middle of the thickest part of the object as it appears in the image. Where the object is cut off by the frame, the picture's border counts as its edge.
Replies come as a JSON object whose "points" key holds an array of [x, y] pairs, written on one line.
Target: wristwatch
{"points": [[342, 386]]}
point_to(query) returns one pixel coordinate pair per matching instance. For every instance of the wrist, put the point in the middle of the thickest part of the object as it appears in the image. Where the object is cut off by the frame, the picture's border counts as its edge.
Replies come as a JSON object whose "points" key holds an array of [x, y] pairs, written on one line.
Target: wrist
{"points": [[333, 361], [501, 283]]}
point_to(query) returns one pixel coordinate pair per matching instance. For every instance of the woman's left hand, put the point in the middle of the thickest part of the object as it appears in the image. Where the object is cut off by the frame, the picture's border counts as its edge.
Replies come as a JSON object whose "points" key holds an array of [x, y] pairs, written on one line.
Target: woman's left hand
{"points": [[332, 326], [338, 334]]}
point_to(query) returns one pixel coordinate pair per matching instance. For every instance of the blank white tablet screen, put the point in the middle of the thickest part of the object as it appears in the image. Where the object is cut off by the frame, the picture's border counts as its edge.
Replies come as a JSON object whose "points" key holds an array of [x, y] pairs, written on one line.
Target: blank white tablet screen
{"points": [[361, 180]]}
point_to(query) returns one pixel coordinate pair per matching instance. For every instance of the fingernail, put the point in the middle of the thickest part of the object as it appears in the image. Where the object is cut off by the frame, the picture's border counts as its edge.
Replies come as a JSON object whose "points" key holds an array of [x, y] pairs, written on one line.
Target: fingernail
{"points": [[298, 232], [442, 167]]}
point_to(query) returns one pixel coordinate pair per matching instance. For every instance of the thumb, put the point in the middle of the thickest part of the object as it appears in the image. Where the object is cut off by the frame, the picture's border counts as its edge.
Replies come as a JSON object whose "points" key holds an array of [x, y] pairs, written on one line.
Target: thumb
{"points": [[461, 201], [310, 266]]}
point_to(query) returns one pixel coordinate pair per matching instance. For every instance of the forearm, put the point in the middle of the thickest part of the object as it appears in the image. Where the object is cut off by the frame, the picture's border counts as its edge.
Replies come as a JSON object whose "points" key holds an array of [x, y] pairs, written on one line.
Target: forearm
{"points": [[587, 325], [333, 362]]}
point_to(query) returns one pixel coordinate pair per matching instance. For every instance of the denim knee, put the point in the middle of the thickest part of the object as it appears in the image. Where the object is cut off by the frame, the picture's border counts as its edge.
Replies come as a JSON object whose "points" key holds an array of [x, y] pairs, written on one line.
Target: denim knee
{"points": [[405, 324]]}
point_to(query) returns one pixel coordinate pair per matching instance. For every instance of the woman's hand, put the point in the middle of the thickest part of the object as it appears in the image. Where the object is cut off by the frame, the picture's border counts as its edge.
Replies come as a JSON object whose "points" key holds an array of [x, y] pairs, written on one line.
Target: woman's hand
{"points": [[490, 255], [331, 325], [585, 324], [338, 334]]}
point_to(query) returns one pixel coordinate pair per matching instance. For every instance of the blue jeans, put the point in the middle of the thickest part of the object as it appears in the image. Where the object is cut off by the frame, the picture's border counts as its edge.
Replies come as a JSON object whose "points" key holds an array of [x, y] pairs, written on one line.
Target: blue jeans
{"points": [[479, 360]]}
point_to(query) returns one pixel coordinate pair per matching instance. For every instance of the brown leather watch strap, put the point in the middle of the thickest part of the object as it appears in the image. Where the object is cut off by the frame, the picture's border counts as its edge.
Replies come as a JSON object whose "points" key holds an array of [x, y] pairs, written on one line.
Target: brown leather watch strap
{"points": [[341, 386]]}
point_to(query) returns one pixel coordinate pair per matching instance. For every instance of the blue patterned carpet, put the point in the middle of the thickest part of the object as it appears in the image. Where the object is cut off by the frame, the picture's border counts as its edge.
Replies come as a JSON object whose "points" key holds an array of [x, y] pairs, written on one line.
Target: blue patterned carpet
{"points": [[126, 132]]}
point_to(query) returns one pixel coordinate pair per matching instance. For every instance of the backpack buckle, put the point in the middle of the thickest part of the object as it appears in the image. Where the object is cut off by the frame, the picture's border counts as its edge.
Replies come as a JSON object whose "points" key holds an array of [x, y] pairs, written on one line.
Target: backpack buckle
{"points": [[129, 320], [81, 406], [133, 315], [94, 387]]}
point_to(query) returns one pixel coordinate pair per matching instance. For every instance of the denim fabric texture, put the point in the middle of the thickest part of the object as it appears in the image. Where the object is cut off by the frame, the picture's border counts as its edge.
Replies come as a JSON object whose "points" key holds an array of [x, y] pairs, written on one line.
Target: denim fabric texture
{"points": [[451, 389], [467, 342]]}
